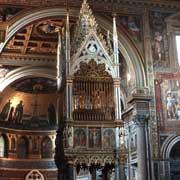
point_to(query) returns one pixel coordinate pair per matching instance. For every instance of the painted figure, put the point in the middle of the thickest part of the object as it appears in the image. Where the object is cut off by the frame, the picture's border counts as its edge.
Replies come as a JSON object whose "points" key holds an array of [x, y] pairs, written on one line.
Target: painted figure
{"points": [[79, 137], [5, 110], [157, 44], [10, 118], [108, 138], [170, 105], [94, 138], [18, 112]]}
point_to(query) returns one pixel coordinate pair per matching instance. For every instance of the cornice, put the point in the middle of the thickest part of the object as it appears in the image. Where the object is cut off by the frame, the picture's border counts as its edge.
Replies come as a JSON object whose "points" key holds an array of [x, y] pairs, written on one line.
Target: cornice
{"points": [[111, 5], [16, 60]]}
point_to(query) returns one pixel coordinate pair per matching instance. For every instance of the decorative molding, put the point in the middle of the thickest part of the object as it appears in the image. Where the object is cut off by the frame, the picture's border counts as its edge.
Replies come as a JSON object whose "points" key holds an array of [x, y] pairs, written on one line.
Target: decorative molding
{"points": [[27, 60], [170, 5]]}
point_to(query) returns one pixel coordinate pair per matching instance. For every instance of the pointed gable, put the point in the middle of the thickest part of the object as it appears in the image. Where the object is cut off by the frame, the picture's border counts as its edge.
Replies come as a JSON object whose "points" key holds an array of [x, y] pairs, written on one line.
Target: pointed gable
{"points": [[89, 42]]}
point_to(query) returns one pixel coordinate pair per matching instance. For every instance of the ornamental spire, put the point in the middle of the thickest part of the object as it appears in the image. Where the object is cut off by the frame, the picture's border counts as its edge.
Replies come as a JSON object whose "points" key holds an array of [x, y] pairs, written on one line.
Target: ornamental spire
{"points": [[85, 24]]}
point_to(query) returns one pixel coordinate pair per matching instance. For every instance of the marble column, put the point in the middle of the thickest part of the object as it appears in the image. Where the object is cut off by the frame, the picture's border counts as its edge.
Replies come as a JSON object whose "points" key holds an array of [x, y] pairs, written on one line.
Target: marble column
{"points": [[117, 99], [121, 172], [140, 121], [69, 82]]}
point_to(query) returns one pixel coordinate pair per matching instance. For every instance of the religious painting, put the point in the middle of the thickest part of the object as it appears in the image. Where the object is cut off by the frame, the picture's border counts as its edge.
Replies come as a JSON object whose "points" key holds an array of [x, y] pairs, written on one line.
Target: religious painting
{"points": [[159, 38], [172, 101], [168, 97], [132, 24], [80, 137], [94, 137], [108, 138]]}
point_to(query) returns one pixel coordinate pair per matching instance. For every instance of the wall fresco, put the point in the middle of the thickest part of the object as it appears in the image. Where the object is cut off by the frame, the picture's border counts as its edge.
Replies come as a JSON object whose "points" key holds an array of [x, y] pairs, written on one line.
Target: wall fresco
{"points": [[94, 137], [167, 88], [132, 24], [80, 137], [108, 138]]}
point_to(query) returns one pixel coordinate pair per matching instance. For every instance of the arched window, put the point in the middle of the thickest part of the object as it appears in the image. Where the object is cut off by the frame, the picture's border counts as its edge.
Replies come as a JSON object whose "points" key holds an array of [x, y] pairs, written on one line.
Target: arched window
{"points": [[22, 151], [3, 146], [47, 148], [34, 175]]}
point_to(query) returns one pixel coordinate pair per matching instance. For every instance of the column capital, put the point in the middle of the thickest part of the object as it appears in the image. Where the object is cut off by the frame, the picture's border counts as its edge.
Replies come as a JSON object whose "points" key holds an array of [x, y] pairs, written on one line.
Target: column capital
{"points": [[140, 119]]}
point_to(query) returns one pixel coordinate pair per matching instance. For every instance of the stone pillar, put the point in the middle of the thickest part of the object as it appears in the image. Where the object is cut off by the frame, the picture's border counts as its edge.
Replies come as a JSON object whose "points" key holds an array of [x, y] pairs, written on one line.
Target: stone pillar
{"points": [[93, 174], [121, 171], [140, 121], [71, 173], [117, 174]]}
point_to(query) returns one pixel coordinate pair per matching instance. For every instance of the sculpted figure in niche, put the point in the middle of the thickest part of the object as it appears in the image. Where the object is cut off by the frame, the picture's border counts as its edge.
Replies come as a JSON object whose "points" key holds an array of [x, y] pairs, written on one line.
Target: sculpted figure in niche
{"points": [[51, 114], [5, 110], [18, 112]]}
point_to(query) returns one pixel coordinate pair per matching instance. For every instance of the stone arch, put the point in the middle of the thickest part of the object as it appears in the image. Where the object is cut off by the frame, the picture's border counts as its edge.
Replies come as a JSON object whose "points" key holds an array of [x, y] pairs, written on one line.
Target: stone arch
{"points": [[173, 16], [168, 145], [3, 146], [34, 175], [129, 51], [23, 146], [47, 148], [23, 72]]}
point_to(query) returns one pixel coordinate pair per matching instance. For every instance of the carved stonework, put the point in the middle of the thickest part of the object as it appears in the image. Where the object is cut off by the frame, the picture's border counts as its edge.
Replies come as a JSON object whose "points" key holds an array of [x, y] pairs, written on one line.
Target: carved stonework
{"points": [[34, 175], [87, 26], [3, 72], [92, 70], [140, 119], [94, 159]]}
